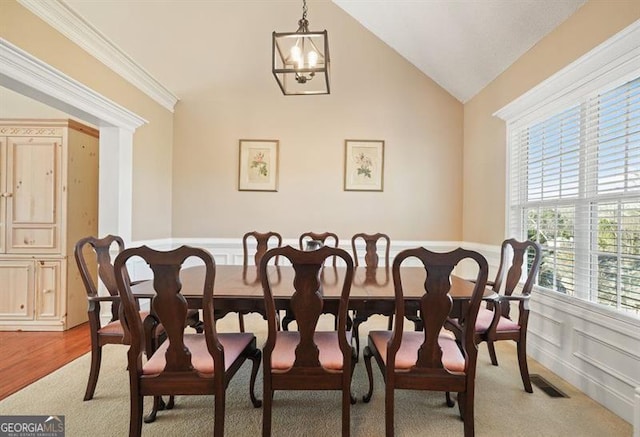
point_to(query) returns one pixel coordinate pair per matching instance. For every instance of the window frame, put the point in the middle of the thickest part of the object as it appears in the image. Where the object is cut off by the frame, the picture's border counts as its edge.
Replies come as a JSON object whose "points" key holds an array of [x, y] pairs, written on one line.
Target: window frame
{"points": [[611, 64]]}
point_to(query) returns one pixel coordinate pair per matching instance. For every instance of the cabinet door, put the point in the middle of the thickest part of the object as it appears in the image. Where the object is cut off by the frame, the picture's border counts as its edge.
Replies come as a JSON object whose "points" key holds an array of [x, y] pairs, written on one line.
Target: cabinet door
{"points": [[33, 184], [16, 290], [47, 290]]}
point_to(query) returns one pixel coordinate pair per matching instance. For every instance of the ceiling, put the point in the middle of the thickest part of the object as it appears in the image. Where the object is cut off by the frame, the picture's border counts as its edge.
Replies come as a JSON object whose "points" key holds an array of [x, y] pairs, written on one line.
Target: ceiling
{"points": [[461, 44]]}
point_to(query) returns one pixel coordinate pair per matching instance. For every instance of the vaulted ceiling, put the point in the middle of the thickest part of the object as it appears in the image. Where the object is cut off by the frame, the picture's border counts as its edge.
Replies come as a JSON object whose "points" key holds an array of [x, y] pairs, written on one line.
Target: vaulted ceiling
{"points": [[461, 44]]}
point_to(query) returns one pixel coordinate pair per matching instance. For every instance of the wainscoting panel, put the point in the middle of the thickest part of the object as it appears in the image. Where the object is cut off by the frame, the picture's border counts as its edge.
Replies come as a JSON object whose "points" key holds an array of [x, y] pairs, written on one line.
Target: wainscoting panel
{"points": [[599, 350]]}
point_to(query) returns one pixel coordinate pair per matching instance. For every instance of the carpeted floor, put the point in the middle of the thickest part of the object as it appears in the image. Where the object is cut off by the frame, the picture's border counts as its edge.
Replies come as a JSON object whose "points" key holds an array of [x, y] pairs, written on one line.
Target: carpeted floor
{"points": [[502, 406]]}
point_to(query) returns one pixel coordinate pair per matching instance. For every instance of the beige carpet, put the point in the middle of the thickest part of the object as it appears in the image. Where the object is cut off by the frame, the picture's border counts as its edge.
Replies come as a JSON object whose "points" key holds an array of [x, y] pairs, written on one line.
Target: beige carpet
{"points": [[502, 406]]}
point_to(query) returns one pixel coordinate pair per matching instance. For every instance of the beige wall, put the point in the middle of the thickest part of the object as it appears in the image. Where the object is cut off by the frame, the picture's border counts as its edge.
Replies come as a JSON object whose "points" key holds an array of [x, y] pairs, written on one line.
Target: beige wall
{"points": [[185, 178], [152, 142], [375, 94], [485, 135]]}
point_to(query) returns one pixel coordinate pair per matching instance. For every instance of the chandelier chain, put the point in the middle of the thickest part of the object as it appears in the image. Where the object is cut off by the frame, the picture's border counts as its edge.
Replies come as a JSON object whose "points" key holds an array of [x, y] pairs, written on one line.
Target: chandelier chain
{"points": [[304, 9]]}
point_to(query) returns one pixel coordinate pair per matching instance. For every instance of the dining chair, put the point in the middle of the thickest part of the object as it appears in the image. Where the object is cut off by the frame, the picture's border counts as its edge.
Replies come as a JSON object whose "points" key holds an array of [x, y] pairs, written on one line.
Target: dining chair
{"points": [[261, 246], [323, 237], [371, 262], [494, 321], [309, 358], [186, 363], [100, 270], [430, 359]]}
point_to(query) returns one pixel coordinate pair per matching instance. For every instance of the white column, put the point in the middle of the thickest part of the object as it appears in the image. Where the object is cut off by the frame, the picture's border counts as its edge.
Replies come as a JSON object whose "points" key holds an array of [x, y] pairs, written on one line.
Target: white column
{"points": [[116, 182]]}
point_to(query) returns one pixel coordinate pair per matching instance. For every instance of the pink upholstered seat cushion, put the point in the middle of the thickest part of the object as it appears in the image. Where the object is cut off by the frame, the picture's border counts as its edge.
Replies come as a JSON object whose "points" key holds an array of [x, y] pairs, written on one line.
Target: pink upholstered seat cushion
{"points": [[485, 317], [452, 358], [284, 352], [201, 359], [115, 327]]}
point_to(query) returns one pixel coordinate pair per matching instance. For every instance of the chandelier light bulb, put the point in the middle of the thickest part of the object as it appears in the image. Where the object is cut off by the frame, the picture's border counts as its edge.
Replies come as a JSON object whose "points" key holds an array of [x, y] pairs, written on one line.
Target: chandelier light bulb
{"points": [[296, 54], [312, 57]]}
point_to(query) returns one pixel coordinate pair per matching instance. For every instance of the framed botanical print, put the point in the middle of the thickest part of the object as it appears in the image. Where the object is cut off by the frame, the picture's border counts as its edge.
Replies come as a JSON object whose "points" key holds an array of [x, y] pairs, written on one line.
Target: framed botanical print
{"points": [[258, 168], [363, 165]]}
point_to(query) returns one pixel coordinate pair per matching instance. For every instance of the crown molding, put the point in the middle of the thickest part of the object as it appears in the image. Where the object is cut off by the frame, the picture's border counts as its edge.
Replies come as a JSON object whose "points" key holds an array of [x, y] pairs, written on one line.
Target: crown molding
{"points": [[27, 74], [62, 18]]}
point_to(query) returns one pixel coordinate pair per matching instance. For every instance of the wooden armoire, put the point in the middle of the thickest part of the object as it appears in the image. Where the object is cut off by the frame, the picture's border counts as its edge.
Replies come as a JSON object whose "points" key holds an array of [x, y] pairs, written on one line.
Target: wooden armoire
{"points": [[48, 201]]}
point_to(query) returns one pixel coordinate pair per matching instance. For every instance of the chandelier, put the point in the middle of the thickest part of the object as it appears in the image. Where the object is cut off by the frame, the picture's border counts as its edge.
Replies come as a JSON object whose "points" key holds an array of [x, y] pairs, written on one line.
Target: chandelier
{"points": [[301, 59]]}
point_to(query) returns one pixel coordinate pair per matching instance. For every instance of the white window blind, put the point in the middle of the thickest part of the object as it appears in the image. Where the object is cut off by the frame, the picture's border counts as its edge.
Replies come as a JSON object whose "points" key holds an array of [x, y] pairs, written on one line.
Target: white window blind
{"points": [[575, 188]]}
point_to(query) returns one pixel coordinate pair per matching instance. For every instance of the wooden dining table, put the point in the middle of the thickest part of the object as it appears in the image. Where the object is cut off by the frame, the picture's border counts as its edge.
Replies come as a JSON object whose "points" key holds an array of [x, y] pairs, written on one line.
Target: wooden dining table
{"points": [[239, 289]]}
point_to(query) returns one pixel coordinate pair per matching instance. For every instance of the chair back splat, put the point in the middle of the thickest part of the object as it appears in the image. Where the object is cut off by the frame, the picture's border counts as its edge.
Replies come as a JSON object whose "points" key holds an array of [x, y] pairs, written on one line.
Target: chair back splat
{"points": [[309, 358], [310, 241]]}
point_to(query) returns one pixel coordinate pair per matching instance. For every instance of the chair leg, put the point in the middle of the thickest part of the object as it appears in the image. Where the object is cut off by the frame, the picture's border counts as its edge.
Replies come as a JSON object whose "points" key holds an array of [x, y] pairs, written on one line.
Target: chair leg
{"points": [[461, 404], [135, 419], [96, 358], [450, 402], [288, 318], [267, 403], [367, 354], [524, 369], [278, 325], [353, 368], [241, 321], [218, 420], [346, 412], [158, 404], [256, 357], [468, 415], [390, 323], [355, 331], [193, 321], [492, 353], [388, 411]]}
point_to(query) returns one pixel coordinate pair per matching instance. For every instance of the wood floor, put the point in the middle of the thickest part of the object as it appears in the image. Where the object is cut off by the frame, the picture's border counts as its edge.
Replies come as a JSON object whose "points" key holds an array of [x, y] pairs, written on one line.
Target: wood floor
{"points": [[26, 357]]}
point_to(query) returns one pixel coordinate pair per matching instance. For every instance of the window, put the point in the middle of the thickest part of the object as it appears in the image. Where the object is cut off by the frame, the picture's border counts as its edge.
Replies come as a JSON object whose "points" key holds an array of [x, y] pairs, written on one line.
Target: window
{"points": [[574, 187]]}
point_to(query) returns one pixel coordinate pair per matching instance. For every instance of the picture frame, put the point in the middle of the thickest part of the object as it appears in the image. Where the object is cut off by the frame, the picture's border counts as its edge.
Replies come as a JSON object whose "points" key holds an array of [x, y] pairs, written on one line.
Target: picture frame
{"points": [[258, 165], [363, 165]]}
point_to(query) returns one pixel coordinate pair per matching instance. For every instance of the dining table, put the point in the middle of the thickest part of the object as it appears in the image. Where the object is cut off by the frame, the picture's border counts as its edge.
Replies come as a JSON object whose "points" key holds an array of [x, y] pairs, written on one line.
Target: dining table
{"points": [[238, 288]]}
